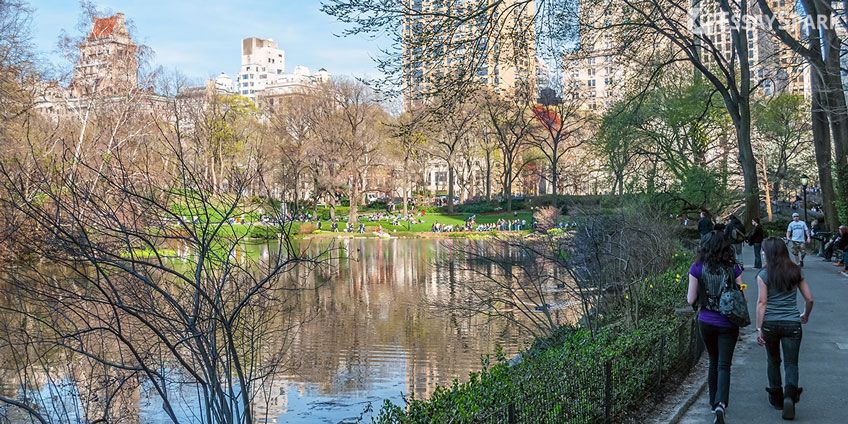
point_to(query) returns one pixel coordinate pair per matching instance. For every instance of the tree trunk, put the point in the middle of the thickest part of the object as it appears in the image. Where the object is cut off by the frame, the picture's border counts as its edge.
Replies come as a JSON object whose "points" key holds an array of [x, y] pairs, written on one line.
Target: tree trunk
{"points": [[507, 188], [405, 187], [838, 114], [821, 142], [354, 199], [488, 176], [554, 174], [748, 162], [450, 186]]}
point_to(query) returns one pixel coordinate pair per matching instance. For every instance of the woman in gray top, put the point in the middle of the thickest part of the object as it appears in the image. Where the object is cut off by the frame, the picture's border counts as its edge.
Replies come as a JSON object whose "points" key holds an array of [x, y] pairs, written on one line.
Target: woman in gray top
{"points": [[779, 321]]}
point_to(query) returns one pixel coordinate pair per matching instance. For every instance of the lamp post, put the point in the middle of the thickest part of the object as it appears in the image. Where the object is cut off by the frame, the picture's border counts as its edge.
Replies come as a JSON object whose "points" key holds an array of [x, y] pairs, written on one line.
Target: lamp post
{"points": [[804, 181]]}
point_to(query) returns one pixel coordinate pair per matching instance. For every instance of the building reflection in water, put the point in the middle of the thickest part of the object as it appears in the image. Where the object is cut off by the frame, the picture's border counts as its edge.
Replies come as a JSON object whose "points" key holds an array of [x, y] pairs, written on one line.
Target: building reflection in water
{"points": [[370, 331]]}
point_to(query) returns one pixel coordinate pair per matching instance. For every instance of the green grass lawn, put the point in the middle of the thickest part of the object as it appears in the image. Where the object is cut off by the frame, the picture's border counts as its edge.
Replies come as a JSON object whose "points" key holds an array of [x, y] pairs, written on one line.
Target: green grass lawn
{"points": [[430, 218]]}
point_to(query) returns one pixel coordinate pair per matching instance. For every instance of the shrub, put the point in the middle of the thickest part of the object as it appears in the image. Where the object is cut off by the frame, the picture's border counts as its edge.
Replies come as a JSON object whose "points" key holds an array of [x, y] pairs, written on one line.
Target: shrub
{"points": [[479, 207], [378, 205], [264, 232], [547, 217], [776, 228], [307, 228]]}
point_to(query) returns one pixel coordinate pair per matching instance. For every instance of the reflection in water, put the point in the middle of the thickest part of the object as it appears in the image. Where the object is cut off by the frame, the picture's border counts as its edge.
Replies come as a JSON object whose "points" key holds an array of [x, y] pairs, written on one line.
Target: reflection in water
{"points": [[369, 333]]}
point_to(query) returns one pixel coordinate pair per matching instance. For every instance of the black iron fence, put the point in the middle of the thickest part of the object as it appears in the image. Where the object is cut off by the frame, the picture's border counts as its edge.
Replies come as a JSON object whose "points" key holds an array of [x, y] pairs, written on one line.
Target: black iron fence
{"points": [[607, 389]]}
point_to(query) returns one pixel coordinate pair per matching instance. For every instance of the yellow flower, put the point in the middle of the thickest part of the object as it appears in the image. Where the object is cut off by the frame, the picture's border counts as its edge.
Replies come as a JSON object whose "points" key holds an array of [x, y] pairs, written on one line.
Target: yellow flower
{"points": [[678, 276], [743, 286], [652, 286], [627, 297], [675, 255]]}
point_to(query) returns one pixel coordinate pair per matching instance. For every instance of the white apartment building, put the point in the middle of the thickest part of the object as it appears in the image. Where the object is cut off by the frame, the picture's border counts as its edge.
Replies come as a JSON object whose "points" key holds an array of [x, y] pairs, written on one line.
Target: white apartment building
{"points": [[263, 72], [300, 78], [261, 63], [224, 83]]}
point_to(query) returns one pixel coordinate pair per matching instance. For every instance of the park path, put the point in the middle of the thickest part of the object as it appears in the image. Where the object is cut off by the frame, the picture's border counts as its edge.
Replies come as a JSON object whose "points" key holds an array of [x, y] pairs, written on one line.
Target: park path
{"points": [[823, 364]]}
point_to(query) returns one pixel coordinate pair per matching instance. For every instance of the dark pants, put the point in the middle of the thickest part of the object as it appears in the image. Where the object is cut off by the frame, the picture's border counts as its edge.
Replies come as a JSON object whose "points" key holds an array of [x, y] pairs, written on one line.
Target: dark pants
{"points": [[758, 259], [720, 343], [788, 335], [844, 259]]}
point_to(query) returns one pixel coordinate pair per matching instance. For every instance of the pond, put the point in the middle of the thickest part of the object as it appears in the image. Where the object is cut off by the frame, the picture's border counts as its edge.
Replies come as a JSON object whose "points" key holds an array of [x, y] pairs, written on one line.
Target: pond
{"points": [[372, 334]]}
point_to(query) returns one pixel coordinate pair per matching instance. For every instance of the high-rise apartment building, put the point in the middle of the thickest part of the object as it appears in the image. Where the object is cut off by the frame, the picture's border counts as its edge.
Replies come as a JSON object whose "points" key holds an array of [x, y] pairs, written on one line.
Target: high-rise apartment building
{"points": [[502, 59], [107, 63], [261, 63], [598, 71], [774, 66]]}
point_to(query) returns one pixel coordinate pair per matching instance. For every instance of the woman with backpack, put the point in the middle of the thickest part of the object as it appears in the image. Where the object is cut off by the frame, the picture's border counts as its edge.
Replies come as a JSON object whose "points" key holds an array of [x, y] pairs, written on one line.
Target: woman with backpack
{"points": [[714, 268], [779, 322]]}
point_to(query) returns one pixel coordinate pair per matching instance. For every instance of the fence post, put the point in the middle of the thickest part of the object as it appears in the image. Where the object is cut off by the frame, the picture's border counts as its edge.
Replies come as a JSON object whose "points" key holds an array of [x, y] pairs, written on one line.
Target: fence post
{"points": [[608, 391], [511, 414], [660, 368]]}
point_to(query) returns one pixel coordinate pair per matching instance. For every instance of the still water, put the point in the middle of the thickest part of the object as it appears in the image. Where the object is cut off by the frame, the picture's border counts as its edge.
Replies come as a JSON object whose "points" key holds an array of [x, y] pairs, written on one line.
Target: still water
{"points": [[375, 335], [371, 334]]}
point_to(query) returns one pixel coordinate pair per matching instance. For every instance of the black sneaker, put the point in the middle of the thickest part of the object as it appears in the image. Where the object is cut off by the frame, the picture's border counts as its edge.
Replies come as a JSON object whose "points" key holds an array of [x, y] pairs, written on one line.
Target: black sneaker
{"points": [[801, 264], [719, 415]]}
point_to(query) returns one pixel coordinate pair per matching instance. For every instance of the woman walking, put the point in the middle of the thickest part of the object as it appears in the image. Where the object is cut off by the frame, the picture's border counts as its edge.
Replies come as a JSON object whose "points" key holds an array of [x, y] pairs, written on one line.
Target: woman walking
{"points": [[715, 266], [779, 322], [755, 239]]}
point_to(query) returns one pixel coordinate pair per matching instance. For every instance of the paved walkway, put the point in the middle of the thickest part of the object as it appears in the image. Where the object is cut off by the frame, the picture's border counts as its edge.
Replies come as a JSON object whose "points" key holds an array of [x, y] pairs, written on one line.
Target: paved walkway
{"points": [[823, 365]]}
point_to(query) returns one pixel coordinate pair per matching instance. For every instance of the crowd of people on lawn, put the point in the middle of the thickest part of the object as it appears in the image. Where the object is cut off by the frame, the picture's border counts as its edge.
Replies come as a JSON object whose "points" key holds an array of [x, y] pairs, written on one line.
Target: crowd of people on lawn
{"points": [[717, 273], [470, 224]]}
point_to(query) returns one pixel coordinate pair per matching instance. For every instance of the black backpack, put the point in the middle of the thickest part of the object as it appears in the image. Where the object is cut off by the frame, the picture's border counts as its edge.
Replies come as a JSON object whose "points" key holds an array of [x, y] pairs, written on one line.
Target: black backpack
{"points": [[710, 286], [736, 234]]}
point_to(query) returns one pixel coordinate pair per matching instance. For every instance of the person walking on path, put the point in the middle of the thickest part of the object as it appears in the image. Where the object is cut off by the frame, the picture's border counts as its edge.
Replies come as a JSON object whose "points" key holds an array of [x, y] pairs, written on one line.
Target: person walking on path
{"points": [[779, 323], [736, 233], [710, 272], [705, 224], [755, 240], [798, 233]]}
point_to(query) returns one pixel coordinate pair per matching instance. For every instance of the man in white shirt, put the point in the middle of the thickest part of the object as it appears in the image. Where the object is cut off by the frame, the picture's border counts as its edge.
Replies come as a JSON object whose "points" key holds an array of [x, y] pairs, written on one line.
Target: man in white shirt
{"points": [[798, 233]]}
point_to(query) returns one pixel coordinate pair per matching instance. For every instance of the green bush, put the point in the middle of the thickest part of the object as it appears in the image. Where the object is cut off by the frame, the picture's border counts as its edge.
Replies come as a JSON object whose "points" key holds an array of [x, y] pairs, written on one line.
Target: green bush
{"points": [[776, 228], [264, 232], [479, 207], [561, 379]]}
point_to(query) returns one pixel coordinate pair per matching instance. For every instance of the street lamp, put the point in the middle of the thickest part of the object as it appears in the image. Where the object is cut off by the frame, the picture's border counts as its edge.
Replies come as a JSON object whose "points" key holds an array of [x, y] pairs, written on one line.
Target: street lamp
{"points": [[804, 181]]}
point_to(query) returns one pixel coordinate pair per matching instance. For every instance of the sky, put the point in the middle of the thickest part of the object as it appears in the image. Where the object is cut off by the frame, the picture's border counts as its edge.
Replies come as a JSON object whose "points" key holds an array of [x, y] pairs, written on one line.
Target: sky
{"points": [[202, 39]]}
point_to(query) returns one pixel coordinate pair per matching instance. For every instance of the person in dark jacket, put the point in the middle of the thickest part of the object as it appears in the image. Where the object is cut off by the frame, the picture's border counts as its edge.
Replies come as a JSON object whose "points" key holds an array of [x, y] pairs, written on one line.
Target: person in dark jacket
{"points": [[735, 232], [755, 239], [831, 244], [705, 224], [841, 243]]}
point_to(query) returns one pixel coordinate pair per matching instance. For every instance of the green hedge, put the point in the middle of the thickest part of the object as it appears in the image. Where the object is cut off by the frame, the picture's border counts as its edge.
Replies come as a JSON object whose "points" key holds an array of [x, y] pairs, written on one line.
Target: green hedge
{"points": [[776, 228], [565, 382]]}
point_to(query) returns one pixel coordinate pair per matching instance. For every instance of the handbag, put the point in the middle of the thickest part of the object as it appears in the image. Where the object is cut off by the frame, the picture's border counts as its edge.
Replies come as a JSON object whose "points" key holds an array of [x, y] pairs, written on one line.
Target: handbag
{"points": [[732, 304]]}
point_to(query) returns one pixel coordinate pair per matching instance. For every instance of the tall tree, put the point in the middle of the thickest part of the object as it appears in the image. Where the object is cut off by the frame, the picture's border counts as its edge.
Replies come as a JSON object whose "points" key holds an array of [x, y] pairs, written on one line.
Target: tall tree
{"points": [[783, 138], [562, 129], [452, 124], [822, 51], [512, 124]]}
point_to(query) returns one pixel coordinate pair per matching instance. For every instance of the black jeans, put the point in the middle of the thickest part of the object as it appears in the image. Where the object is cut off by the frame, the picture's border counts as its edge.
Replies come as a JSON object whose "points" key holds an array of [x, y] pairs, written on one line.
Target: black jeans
{"points": [[758, 259], [720, 343], [786, 334]]}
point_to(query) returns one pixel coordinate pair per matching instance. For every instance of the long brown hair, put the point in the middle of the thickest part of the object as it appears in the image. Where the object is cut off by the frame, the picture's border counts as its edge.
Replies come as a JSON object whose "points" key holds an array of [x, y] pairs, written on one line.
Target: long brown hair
{"points": [[783, 274], [716, 251]]}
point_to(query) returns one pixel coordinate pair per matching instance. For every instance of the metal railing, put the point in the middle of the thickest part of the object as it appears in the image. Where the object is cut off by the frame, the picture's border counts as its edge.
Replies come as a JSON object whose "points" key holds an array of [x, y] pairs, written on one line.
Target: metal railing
{"points": [[606, 390]]}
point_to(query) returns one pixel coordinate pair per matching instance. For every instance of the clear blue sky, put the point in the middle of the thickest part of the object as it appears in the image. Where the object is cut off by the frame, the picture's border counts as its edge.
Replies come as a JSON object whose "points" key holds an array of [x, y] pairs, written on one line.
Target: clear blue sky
{"points": [[203, 38]]}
